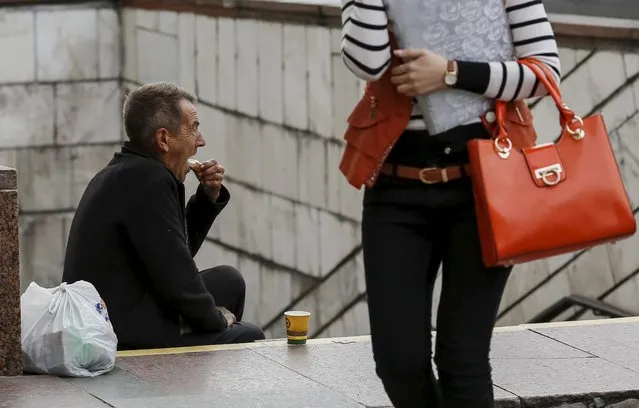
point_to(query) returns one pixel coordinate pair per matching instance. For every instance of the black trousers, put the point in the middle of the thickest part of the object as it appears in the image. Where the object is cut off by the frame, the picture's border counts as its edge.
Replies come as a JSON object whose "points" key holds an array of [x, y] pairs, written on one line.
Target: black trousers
{"points": [[409, 229], [227, 286]]}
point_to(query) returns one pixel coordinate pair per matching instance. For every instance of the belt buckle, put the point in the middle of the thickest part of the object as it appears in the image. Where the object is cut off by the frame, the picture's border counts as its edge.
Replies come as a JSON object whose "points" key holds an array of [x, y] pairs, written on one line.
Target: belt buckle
{"points": [[423, 179]]}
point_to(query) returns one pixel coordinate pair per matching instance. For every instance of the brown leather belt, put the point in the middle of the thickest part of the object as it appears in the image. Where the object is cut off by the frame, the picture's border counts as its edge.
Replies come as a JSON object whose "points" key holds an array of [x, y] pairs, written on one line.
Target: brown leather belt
{"points": [[428, 175]]}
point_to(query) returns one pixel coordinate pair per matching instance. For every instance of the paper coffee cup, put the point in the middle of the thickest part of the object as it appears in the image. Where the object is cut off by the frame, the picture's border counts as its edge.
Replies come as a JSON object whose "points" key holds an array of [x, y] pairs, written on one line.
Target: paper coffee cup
{"points": [[297, 326]]}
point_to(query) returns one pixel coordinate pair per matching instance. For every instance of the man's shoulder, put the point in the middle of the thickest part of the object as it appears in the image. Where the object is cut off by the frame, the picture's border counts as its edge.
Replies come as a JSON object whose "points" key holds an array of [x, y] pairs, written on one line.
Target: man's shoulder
{"points": [[142, 171], [134, 162], [126, 180]]}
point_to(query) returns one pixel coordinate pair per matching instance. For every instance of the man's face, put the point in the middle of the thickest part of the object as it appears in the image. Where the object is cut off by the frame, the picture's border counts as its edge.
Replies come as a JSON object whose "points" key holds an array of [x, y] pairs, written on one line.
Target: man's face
{"points": [[186, 142]]}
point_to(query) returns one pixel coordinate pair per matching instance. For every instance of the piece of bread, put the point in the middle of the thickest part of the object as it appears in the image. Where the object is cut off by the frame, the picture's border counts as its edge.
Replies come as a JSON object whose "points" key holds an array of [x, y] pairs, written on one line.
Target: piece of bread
{"points": [[194, 164]]}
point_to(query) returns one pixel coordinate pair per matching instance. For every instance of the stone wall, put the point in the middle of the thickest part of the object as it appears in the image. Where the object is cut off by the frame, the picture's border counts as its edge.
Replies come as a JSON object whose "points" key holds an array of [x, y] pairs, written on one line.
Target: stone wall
{"points": [[59, 118], [274, 95]]}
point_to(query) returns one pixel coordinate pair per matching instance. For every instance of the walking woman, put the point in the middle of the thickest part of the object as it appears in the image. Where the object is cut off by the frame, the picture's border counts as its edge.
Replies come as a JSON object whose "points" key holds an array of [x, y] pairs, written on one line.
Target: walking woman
{"points": [[458, 57]]}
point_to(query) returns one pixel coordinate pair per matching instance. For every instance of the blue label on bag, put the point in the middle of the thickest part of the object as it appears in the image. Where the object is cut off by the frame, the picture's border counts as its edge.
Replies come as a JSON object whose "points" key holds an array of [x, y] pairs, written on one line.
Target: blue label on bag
{"points": [[102, 310]]}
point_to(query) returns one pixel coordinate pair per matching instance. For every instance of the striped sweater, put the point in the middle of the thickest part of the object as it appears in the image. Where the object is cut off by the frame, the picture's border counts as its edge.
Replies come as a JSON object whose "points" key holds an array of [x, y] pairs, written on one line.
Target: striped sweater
{"points": [[365, 50]]}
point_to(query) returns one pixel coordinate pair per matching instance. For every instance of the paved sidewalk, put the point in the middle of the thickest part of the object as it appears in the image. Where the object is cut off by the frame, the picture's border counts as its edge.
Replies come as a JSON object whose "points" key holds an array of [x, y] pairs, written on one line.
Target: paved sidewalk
{"points": [[580, 365]]}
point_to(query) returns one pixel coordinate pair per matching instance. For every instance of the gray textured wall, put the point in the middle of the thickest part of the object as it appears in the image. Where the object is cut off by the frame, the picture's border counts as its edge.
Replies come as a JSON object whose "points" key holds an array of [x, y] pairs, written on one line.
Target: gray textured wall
{"points": [[293, 219]]}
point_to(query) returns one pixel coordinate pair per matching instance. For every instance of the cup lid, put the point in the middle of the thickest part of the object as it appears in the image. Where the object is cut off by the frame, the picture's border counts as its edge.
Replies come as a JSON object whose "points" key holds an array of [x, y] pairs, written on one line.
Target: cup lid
{"points": [[297, 313]]}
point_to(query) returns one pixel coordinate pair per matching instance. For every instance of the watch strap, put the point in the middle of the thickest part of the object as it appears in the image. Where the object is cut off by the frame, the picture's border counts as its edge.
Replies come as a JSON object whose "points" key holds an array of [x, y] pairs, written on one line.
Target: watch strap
{"points": [[451, 67]]}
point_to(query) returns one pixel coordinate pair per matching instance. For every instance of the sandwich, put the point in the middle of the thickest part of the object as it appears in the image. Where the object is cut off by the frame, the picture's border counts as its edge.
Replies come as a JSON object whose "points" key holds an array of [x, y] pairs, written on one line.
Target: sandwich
{"points": [[194, 164]]}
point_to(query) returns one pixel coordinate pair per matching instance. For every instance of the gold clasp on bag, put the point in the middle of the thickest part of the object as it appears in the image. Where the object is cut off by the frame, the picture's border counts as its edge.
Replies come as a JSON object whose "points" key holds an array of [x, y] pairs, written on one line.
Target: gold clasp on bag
{"points": [[503, 151], [545, 174], [580, 133]]}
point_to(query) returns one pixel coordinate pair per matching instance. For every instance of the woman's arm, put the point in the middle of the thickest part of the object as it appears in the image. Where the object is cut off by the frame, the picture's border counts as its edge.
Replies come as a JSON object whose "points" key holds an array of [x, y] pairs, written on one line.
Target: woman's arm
{"points": [[532, 37], [365, 44]]}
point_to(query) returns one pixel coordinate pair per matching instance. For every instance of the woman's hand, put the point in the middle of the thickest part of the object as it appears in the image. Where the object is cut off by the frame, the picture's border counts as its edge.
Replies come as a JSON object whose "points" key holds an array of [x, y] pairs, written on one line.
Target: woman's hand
{"points": [[422, 73]]}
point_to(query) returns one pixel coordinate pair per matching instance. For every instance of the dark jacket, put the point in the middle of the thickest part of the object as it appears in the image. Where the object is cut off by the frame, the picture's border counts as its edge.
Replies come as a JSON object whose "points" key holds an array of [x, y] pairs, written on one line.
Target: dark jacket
{"points": [[133, 239]]}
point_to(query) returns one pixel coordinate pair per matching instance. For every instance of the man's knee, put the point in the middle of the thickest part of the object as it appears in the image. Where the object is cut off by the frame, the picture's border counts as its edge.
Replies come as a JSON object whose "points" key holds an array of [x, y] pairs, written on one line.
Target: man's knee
{"points": [[230, 275], [249, 332]]}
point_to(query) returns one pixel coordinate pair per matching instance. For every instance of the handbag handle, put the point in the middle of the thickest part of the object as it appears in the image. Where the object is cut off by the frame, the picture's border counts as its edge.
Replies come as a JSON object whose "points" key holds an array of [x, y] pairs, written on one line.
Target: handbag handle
{"points": [[567, 117]]}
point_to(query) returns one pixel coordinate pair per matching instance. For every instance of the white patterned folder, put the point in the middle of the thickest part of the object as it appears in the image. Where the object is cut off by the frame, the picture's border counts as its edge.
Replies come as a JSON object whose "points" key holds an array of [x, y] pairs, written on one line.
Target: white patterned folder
{"points": [[471, 30]]}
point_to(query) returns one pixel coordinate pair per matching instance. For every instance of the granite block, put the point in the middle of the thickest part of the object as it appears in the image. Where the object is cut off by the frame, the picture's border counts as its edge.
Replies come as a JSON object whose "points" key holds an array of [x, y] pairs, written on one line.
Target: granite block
{"points": [[274, 289], [527, 344], [129, 30], [547, 383], [227, 63], [17, 42], [186, 51], [76, 108], [206, 58], [320, 111], [327, 364], [42, 248], [157, 58], [108, 43], [66, 44], [43, 391], [617, 343], [45, 178], [8, 178], [270, 72], [247, 67], [294, 397], [118, 384], [282, 215], [353, 322], [10, 346], [232, 378], [296, 73], [27, 115], [347, 366]]}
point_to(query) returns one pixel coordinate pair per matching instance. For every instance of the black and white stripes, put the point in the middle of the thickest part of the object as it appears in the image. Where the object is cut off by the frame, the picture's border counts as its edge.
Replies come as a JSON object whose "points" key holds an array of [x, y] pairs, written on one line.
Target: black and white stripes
{"points": [[365, 42], [532, 37], [366, 51]]}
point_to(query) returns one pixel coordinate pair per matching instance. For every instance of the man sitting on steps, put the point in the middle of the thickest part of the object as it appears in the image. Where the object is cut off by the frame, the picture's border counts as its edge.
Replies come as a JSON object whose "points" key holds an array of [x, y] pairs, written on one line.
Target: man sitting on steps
{"points": [[133, 239]]}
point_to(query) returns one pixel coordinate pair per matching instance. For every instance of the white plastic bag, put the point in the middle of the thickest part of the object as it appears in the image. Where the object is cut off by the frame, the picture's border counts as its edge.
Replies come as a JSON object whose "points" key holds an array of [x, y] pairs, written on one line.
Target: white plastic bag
{"points": [[66, 331]]}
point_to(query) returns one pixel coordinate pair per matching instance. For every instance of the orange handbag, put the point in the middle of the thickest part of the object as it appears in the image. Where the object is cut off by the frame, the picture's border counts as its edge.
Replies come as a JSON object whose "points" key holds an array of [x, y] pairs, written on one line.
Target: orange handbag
{"points": [[374, 125], [552, 198]]}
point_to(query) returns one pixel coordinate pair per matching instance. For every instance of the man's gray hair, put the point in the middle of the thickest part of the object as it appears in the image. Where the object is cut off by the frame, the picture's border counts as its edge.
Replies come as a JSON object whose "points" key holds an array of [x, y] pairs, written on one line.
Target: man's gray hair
{"points": [[152, 107]]}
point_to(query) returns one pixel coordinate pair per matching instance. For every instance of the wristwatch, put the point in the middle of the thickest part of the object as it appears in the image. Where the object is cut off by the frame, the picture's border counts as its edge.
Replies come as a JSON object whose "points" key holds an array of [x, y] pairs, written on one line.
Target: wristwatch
{"points": [[450, 78]]}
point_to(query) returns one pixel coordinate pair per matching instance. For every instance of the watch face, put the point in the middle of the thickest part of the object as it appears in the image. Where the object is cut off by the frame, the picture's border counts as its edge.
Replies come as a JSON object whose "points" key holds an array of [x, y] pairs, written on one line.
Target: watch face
{"points": [[450, 79]]}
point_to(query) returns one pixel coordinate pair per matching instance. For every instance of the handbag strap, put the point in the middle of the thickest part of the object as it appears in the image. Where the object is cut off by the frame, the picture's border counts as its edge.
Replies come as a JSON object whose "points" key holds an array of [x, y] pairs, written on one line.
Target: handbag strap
{"points": [[566, 116]]}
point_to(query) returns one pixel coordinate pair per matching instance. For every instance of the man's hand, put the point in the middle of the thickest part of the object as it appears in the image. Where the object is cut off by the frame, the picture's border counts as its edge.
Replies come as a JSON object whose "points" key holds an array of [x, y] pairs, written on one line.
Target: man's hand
{"points": [[422, 73], [230, 317], [211, 175]]}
